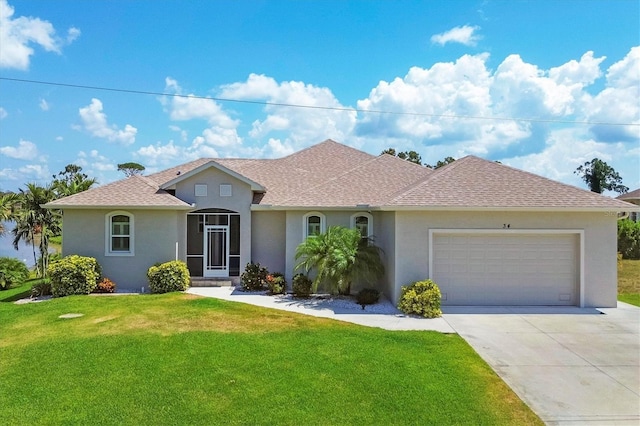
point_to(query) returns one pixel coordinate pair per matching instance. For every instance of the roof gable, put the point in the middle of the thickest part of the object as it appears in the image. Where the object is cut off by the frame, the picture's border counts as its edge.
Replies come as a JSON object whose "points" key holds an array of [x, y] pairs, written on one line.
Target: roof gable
{"points": [[216, 165]]}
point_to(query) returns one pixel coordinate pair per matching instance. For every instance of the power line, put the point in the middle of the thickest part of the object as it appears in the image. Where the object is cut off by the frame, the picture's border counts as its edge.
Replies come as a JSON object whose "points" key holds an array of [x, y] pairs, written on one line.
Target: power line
{"points": [[318, 107]]}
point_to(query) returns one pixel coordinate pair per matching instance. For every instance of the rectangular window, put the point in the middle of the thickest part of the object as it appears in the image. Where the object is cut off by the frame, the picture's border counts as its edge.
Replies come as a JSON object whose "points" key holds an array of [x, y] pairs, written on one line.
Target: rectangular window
{"points": [[119, 235]]}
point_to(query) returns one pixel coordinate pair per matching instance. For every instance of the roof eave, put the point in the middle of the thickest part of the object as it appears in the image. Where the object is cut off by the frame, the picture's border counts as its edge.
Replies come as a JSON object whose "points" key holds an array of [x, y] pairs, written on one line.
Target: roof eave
{"points": [[113, 206], [557, 209]]}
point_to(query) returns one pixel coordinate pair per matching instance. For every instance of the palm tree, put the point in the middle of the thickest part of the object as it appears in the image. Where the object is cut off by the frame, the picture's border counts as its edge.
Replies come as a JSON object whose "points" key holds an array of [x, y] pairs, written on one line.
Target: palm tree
{"points": [[35, 224], [7, 209], [339, 257]]}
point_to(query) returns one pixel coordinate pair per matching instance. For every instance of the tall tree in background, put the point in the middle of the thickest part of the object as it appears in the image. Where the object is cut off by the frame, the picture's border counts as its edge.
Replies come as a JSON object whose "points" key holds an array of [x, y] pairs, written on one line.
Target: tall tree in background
{"points": [[131, 169], [599, 176], [71, 181], [412, 156], [440, 163], [35, 224]]}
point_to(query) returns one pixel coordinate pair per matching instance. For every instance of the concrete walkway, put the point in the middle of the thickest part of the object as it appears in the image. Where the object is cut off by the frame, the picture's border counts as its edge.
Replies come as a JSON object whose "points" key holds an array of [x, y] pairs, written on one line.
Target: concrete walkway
{"points": [[389, 319], [572, 366]]}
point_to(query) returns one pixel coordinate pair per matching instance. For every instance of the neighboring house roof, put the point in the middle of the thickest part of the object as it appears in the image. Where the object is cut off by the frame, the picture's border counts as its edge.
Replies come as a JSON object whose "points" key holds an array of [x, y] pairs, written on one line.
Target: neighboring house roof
{"points": [[332, 175], [472, 182], [631, 197], [132, 192]]}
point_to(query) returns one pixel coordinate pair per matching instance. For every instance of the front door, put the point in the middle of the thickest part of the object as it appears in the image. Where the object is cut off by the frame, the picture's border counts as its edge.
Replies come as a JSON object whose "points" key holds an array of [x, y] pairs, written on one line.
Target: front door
{"points": [[216, 251]]}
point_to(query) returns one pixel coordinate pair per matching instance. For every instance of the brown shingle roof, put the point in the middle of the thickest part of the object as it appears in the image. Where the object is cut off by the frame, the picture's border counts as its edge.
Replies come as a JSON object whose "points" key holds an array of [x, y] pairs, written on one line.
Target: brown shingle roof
{"points": [[472, 182], [332, 175], [633, 195], [135, 191]]}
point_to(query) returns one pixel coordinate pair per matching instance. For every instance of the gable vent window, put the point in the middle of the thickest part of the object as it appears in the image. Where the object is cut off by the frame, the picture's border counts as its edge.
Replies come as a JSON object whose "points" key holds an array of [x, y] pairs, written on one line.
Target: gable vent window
{"points": [[201, 190], [119, 234], [225, 190]]}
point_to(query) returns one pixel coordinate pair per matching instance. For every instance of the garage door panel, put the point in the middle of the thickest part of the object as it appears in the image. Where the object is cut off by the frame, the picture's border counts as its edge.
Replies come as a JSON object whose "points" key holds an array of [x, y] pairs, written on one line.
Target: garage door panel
{"points": [[518, 269]]}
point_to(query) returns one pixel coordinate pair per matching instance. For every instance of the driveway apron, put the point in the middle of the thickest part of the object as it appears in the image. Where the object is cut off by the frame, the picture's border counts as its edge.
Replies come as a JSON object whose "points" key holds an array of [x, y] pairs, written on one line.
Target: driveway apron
{"points": [[570, 365]]}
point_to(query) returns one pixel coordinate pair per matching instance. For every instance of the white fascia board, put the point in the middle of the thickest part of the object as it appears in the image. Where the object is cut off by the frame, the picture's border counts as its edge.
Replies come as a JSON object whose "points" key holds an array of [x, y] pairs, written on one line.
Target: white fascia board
{"points": [[616, 209]]}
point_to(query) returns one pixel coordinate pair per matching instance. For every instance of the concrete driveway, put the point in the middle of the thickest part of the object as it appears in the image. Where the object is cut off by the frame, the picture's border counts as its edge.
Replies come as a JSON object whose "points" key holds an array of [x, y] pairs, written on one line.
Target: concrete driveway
{"points": [[570, 365]]}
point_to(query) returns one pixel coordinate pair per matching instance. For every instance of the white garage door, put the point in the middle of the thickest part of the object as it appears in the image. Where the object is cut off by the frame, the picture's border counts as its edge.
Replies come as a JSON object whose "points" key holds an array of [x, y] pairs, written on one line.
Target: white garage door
{"points": [[512, 269]]}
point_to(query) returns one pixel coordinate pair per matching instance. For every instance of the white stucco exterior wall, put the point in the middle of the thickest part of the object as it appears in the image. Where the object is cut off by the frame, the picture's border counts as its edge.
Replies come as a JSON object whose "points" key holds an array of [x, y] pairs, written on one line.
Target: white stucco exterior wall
{"points": [[155, 237], [268, 239]]}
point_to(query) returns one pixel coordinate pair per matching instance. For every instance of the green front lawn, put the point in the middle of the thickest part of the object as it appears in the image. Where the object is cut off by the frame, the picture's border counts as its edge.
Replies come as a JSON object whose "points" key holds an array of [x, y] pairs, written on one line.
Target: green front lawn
{"points": [[629, 281], [181, 359]]}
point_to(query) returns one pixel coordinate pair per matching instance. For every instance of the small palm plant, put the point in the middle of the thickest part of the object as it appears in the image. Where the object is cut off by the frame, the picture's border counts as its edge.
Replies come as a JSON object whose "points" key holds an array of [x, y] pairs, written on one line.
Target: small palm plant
{"points": [[339, 257]]}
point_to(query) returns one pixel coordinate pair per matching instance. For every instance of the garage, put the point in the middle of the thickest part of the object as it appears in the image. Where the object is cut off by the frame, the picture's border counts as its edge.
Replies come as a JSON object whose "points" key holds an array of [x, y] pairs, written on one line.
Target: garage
{"points": [[517, 268]]}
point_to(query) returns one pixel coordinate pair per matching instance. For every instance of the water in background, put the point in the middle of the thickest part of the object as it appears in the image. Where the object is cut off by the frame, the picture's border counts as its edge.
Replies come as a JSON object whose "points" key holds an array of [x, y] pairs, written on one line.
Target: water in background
{"points": [[24, 252]]}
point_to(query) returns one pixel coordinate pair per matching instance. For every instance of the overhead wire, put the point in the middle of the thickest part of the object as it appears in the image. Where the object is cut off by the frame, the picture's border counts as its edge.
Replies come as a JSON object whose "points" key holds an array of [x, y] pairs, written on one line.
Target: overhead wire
{"points": [[318, 107]]}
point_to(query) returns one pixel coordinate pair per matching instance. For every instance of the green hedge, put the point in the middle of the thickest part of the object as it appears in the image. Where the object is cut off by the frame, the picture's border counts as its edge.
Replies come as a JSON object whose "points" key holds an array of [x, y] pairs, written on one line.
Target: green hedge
{"points": [[74, 275], [629, 239], [421, 298], [168, 277]]}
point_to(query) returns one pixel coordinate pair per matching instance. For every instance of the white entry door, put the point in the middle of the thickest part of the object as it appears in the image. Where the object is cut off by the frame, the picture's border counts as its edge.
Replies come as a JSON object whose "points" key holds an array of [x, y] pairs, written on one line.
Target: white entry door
{"points": [[216, 251]]}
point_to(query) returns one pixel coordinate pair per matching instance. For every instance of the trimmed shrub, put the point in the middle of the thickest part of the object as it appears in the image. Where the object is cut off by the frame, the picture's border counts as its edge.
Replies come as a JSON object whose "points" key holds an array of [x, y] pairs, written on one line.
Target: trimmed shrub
{"points": [[105, 286], [629, 239], [74, 275], [367, 296], [41, 288], [12, 272], [421, 298], [254, 277], [169, 276], [301, 286], [276, 283]]}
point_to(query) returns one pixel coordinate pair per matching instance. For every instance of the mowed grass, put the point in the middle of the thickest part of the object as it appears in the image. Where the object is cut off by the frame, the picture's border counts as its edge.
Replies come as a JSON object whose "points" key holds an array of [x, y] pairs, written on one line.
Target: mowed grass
{"points": [[181, 359], [629, 281]]}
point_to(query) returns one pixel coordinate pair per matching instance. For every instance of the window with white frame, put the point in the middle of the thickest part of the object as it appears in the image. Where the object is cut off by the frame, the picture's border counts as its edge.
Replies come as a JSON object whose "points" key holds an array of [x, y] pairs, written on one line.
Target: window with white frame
{"points": [[119, 238], [314, 224], [363, 222]]}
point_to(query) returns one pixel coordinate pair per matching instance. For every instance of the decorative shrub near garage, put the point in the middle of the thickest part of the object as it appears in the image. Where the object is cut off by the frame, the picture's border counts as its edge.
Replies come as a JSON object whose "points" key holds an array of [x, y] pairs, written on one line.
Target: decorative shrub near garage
{"points": [[168, 277], [301, 286], [12, 272], [421, 298], [73, 275]]}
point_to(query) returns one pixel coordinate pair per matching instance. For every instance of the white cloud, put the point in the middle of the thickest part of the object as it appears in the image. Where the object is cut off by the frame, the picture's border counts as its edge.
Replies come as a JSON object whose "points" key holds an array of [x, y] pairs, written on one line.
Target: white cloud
{"points": [[24, 151], [19, 34], [43, 105], [95, 122], [566, 149], [222, 131], [59, 138], [72, 34], [3, 113], [437, 105], [300, 127], [618, 102], [465, 34], [36, 172]]}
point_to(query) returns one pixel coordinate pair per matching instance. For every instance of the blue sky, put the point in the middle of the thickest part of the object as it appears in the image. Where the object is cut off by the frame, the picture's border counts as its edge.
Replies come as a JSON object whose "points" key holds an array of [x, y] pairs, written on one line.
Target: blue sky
{"points": [[523, 82]]}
